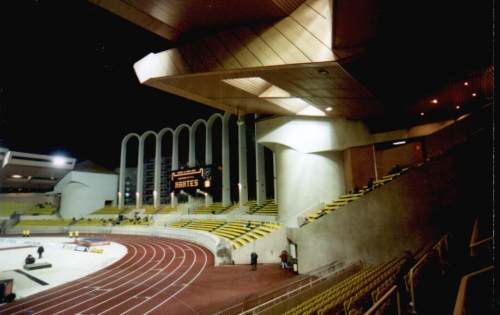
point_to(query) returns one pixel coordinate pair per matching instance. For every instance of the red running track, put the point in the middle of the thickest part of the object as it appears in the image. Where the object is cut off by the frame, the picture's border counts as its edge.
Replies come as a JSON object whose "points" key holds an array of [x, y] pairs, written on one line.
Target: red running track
{"points": [[145, 281]]}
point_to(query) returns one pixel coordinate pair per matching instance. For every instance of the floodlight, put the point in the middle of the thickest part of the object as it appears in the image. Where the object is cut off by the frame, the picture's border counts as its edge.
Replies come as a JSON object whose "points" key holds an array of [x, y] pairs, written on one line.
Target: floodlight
{"points": [[58, 161]]}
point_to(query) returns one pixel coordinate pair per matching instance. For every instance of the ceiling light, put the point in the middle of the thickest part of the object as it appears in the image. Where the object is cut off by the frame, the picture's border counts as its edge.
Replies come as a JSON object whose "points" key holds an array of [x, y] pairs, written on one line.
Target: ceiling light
{"points": [[398, 142], [457, 107], [328, 109], [474, 94], [310, 111], [466, 83], [16, 176], [434, 101], [422, 114], [58, 161]]}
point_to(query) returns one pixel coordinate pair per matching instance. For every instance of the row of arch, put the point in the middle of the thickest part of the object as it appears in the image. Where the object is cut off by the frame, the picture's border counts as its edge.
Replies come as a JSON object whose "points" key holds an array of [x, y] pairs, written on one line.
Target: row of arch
{"points": [[224, 118]]}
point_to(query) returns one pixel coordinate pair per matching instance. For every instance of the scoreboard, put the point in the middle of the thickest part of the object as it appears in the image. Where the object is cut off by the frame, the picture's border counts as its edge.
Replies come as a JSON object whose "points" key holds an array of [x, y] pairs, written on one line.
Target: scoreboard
{"points": [[191, 179]]}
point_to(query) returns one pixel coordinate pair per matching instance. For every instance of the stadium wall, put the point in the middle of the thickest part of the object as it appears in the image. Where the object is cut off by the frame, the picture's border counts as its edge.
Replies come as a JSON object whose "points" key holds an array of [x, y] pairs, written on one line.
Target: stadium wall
{"points": [[268, 248], [406, 213], [84, 192]]}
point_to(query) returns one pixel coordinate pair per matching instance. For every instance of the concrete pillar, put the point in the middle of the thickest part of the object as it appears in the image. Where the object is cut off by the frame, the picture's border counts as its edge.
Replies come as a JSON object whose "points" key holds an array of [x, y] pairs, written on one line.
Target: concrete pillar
{"points": [[140, 172], [123, 166], [157, 184], [175, 164], [308, 160], [192, 147], [260, 171], [208, 158], [226, 167], [242, 165], [275, 179], [306, 180], [121, 182]]}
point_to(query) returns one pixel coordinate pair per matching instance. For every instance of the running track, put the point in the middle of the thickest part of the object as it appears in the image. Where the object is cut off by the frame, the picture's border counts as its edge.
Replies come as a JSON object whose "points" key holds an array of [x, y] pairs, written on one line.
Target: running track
{"points": [[145, 281]]}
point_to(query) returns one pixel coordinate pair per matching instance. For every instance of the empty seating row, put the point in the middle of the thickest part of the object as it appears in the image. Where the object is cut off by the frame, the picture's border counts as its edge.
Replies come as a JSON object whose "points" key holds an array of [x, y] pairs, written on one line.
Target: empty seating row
{"points": [[48, 222], [111, 210], [347, 198], [348, 296], [238, 232], [268, 208], [341, 201], [214, 208], [7, 208]]}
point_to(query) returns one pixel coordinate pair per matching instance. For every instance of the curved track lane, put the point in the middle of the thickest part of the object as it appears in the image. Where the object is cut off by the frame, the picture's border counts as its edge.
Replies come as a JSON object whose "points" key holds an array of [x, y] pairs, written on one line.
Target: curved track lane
{"points": [[144, 281]]}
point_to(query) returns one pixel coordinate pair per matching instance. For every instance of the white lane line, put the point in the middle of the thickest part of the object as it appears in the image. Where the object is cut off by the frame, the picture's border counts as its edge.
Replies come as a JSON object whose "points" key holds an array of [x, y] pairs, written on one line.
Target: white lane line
{"points": [[164, 277], [138, 284], [106, 284], [77, 282], [186, 285], [87, 292], [180, 289]]}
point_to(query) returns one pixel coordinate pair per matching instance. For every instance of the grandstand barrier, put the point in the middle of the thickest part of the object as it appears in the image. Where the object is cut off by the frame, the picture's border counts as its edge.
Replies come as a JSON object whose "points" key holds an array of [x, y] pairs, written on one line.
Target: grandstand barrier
{"points": [[463, 305], [268, 247], [410, 203], [385, 302], [267, 301], [430, 260], [477, 246], [205, 239]]}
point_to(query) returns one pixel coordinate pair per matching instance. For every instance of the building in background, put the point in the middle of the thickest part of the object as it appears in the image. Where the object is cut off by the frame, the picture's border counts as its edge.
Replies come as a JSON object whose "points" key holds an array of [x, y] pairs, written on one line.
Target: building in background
{"points": [[27, 181], [86, 189], [28, 172], [149, 179], [130, 185]]}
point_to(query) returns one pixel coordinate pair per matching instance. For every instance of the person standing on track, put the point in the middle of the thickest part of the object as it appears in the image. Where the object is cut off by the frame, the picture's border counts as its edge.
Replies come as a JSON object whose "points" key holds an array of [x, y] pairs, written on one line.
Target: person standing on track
{"points": [[253, 260], [40, 251], [284, 260]]}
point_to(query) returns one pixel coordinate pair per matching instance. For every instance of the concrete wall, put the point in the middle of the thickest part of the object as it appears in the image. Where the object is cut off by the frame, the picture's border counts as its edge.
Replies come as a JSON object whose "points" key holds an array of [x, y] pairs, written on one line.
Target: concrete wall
{"points": [[268, 248], [84, 192], [404, 214], [205, 239], [306, 179], [359, 166], [404, 155], [309, 159]]}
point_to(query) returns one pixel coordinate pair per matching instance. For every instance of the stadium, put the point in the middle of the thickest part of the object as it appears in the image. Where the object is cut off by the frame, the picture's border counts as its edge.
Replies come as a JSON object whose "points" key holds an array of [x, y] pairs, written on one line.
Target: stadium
{"points": [[345, 167]]}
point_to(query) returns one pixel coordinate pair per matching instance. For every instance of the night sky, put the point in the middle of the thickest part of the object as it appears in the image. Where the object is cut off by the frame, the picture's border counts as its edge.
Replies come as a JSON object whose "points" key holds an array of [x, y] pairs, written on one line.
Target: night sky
{"points": [[67, 84]]}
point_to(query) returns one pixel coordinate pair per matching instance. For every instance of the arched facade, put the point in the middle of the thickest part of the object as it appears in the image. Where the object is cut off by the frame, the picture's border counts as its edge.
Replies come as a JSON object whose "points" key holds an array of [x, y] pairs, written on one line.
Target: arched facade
{"points": [[226, 195]]}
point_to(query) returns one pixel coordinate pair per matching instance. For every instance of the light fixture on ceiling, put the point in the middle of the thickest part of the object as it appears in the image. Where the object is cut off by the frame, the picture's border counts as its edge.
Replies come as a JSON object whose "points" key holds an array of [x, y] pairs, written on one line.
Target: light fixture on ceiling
{"points": [[323, 71], [16, 176], [399, 142], [58, 161], [434, 101], [466, 83], [457, 107], [422, 113], [328, 109], [474, 94]]}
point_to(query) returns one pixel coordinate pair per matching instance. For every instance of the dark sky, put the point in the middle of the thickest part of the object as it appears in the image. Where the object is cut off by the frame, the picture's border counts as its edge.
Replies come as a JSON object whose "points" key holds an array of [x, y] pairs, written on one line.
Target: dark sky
{"points": [[67, 84]]}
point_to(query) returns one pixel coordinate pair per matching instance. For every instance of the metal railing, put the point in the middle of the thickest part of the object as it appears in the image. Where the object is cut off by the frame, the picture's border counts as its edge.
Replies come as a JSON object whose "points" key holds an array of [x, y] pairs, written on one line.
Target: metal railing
{"points": [[269, 299], [381, 303], [460, 304], [474, 243], [439, 247]]}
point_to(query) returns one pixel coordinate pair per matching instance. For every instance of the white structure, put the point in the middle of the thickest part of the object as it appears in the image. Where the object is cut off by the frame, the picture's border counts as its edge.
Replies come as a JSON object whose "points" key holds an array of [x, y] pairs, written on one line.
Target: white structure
{"points": [[84, 192], [309, 162], [226, 189], [21, 171]]}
